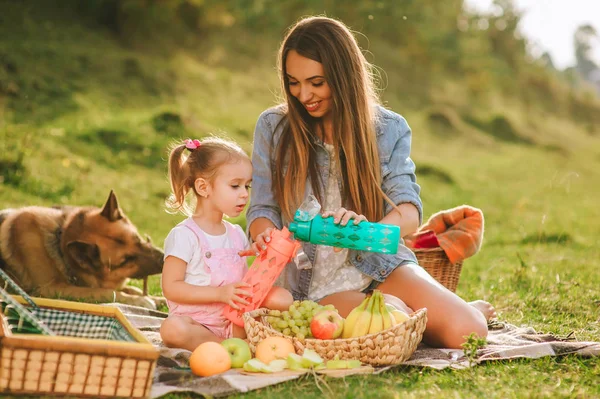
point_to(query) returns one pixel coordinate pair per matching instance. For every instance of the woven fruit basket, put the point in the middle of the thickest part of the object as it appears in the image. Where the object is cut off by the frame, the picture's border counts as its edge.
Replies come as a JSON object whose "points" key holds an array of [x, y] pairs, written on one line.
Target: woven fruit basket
{"points": [[82, 350], [436, 262], [392, 346]]}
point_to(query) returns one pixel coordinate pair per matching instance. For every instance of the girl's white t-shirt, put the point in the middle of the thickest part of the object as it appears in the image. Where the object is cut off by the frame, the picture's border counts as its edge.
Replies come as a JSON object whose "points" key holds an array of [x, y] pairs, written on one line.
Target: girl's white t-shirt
{"points": [[183, 243]]}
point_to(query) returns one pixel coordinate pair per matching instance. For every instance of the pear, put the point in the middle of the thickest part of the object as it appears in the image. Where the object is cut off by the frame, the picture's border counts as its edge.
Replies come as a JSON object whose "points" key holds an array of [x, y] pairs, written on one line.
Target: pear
{"points": [[399, 316]]}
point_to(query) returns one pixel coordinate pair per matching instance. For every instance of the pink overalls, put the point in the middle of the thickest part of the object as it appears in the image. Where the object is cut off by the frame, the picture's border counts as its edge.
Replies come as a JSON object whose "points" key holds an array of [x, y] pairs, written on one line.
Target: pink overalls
{"points": [[225, 266]]}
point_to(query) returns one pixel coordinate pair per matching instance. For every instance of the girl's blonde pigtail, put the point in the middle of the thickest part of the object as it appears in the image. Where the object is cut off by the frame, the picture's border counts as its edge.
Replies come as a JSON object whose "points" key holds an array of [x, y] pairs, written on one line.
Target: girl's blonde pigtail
{"points": [[178, 178]]}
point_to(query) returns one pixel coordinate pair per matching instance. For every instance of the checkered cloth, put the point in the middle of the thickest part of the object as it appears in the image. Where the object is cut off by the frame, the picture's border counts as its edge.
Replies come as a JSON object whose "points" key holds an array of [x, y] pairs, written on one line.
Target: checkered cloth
{"points": [[80, 325]]}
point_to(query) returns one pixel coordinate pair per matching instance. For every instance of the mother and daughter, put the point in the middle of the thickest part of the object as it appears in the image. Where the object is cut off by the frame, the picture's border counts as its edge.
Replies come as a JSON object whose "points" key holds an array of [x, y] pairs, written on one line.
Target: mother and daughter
{"points": [[330, 138]]}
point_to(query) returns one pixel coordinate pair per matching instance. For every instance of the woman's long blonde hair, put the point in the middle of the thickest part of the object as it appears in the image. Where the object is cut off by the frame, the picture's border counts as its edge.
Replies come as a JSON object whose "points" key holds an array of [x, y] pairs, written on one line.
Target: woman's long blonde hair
{"points": [[350, 77]]}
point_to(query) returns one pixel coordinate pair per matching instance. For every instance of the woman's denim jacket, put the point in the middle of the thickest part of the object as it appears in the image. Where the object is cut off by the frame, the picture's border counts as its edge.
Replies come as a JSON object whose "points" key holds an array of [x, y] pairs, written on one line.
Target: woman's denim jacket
{"points": [[399, 184]]}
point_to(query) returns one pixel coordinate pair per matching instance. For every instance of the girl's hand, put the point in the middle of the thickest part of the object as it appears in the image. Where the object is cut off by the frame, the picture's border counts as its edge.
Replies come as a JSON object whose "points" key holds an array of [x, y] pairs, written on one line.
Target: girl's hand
{"points": [[342, 216], [233, 293], [261, 240]]}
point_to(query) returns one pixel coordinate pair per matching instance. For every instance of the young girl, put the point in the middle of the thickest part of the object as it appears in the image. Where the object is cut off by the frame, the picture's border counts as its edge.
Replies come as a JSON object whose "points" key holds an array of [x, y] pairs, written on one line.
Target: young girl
{"points": [[203, 268], [333, 139]]}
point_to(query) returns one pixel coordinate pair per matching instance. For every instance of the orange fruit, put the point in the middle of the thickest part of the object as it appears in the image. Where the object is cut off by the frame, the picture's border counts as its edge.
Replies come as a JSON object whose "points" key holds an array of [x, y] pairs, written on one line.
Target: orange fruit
{"points": [[272, 348], [209, 358]]}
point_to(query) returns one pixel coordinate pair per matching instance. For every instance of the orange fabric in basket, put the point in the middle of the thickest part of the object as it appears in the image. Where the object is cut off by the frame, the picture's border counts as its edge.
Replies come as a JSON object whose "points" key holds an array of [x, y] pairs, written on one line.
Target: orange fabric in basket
{"points": [[459, 231]]}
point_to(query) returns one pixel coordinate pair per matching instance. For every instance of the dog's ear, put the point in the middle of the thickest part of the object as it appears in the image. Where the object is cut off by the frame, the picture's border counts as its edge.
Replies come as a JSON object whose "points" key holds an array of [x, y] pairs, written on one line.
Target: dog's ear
{"points": [[111, 209], [85, 254]]}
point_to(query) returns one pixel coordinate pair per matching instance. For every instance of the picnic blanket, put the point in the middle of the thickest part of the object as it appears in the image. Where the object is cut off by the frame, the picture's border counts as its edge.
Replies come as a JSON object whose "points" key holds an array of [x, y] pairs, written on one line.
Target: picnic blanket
{"points": [[458, 231], [505, 341]]}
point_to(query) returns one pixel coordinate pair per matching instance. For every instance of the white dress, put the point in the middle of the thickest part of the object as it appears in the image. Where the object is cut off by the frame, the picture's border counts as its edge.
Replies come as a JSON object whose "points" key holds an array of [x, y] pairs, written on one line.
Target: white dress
{"points": [[332, 271]]}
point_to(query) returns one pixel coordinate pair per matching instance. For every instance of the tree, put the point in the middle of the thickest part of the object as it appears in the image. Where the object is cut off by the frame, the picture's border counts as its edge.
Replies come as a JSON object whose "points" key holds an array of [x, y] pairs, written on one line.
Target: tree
{"points": [[584, 39]]}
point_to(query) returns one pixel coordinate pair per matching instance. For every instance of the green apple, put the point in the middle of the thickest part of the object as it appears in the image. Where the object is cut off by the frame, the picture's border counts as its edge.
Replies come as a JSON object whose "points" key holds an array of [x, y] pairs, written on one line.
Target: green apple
{"points": [[239, 351], [343, 364], [254, 366], [278, 365], [310, 358], [294, 362]]}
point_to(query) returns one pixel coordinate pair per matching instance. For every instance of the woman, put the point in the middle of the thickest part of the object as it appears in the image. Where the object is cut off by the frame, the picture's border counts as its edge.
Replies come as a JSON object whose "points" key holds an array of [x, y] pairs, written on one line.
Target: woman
{"points": [[332, 139]]}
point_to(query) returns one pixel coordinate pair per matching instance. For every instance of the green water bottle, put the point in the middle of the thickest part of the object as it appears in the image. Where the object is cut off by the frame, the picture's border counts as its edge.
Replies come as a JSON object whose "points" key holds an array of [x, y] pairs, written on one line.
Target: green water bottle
{"points": [[365, 236]]}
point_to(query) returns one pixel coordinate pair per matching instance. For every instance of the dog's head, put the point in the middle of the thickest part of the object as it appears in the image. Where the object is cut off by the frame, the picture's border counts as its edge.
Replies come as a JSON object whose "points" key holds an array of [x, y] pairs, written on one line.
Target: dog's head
{"points": [[105, 243]]}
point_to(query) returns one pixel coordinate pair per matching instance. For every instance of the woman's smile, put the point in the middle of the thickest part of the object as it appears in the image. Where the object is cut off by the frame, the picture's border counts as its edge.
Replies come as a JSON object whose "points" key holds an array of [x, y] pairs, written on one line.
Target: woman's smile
{"points": [[313, 106]]}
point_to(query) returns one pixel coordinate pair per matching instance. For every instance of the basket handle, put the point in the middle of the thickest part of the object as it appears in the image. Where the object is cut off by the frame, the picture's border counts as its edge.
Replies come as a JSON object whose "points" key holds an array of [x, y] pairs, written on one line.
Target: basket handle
{"points": [[19, 290], [25, 313]]}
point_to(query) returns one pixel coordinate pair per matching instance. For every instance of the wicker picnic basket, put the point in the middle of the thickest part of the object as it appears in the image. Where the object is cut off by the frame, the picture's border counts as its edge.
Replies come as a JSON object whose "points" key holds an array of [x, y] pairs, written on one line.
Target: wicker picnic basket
{"points": [[77, 349], [436, 262], [388, 347]]}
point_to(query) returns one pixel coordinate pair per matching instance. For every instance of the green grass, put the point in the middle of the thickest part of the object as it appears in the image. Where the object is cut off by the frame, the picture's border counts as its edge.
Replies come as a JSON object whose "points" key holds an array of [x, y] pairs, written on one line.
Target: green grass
{"points": [[91, 115]]}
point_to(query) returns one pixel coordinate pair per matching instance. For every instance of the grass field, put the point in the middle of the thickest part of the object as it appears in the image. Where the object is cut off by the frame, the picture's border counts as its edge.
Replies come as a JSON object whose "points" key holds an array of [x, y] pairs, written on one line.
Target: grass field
{"points": [[90, 116]]}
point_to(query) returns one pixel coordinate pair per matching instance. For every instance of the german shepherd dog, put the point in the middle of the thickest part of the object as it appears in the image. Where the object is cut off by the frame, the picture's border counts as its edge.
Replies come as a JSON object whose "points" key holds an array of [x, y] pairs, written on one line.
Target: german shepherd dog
{"points": [[78, 253]]}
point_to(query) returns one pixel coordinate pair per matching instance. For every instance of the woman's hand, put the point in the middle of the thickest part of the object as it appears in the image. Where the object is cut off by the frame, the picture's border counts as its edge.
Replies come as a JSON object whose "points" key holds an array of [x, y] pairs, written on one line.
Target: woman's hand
{"points": [[233, 293], [342, 216]]}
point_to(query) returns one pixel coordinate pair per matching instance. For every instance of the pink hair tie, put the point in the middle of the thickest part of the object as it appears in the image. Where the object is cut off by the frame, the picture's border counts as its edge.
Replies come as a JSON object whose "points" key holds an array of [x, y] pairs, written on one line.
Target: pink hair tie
{"points": [[192, 144]]}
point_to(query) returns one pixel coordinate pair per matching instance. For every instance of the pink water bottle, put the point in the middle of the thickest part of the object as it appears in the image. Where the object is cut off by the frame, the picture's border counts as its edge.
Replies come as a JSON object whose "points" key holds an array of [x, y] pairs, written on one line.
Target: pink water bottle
{"points": [[263, 272]]}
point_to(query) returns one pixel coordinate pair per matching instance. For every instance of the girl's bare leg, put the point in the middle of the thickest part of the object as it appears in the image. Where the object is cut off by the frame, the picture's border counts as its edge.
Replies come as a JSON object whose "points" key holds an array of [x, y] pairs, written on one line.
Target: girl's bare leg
{"points": [[449, 318], [239, 332], [183, 332]]}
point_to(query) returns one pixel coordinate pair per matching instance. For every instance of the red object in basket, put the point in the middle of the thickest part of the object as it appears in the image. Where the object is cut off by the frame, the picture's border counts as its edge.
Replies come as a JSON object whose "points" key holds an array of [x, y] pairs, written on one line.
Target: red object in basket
{"points": [[264, 271], [426, 239]]}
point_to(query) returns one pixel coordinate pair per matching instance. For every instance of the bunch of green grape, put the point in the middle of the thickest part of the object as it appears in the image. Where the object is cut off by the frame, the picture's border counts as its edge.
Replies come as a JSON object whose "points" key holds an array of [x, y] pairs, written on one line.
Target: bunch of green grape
{"points": [[295, 321]]}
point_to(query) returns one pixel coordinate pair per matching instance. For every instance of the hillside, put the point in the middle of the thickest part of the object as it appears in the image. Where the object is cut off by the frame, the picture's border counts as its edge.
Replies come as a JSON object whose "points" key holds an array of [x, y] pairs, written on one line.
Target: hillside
{"points": [[87, 107]]}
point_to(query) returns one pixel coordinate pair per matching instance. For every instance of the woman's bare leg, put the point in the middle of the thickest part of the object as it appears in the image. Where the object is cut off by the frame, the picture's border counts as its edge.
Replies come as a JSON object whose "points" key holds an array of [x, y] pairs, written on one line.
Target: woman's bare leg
{"points": [[278, 298], [345, 301], [485, 307], [449, 318], [183, 332]]}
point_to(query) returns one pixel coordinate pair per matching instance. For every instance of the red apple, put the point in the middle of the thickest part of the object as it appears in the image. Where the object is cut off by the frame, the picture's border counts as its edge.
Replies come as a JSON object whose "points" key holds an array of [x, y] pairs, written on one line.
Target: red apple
{"points": [[327, 324]]}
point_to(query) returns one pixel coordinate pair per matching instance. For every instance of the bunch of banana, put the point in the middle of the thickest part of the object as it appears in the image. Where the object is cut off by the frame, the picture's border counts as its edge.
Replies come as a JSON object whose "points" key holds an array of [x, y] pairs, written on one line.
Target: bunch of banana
{"points": [[372, 316]]}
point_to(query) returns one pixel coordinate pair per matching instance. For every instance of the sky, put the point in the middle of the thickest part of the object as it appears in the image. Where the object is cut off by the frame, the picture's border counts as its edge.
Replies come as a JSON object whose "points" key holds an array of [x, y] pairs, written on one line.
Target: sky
{"points": [[550, 24]]}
